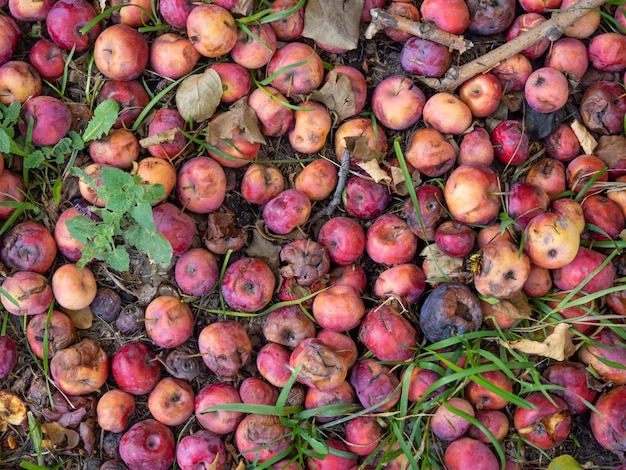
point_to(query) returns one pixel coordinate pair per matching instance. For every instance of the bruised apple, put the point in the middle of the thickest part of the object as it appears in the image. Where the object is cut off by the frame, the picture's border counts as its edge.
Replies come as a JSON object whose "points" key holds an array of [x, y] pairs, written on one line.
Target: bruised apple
{"points": [[248, 285], [114, 410], [225, 347], [171, 401], [212, 30], [472, 194], [387, 334], [397, 102], [26, 293], [80, 369], [148, 444], [57, 327], [310, 128], [447, 113], [121, 52], [502, 270], [73, 288], [547, 424], [321, 366], [169, 322], [135, 369], [294, 79], [201, 185], [218, 421]]}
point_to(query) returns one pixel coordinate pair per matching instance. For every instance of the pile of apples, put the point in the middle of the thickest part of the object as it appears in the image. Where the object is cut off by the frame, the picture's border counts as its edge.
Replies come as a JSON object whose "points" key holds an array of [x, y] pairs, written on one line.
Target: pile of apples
{"points": [[504, 212]]}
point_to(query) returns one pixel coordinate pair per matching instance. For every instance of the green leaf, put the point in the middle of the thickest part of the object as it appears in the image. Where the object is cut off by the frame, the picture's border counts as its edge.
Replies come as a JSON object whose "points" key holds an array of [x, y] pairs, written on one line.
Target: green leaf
{"points": [[142, 213], [11, 113], [153, 193], [82, 228], [34, 160], [152, 243], [118, 202], [102, 121], [118, 259], [77, 141], [5, 141]]}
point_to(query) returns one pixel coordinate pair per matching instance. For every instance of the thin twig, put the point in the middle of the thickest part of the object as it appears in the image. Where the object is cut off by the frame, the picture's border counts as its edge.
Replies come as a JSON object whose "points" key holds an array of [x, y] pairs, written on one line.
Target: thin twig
{"points": [[551, 29], [341, 184], [382, 19]]}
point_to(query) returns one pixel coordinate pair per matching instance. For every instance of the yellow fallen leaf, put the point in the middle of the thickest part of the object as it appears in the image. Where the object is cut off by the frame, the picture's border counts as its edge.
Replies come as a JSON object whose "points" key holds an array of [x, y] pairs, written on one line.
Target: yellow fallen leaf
{"points": [[59, 437], [587, 142], [558, 345], [159, 138], [373, 169]]}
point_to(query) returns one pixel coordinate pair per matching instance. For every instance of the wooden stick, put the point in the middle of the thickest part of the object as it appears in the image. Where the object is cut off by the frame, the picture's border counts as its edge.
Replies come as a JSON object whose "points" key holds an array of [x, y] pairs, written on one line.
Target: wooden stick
{"points": [[551, 29], [382, 19]]}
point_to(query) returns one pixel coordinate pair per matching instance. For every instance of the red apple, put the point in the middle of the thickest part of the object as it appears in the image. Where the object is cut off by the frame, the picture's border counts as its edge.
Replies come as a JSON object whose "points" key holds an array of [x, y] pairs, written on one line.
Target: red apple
{"points": [[482, 94], [135, 369], [121, 52], [472, 194], [148, 444], [390, 241], [64, 21], [212, 30]]}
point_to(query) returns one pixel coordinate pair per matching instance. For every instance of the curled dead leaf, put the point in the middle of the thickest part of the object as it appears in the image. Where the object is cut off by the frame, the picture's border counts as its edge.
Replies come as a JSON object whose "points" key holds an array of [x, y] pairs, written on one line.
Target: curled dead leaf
{"points": [[239, 116], [440, 267], [263, 247], [337, 95], [515, 308], [587, 142], [332, 23], [611, 149], [159, 138], [12, 410], [359, 150], [222, 233], [199, 95], [373, 169], [58, 437], [558, 345]]}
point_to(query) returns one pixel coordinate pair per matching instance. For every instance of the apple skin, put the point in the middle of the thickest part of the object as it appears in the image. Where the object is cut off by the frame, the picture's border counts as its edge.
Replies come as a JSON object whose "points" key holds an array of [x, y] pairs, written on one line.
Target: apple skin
{"points": [[523, 23], [169, 322], [343, 238], [130, 96], [374, 383], [30, 10], [288, 326], [390, 241], [490, 17], [571, 209], [10, 35], [310, 128], [200, 450], [502, 271], [365, 199], [167, 119], [449, 426], [424, 57], [387, 334], [197, 272], [430, 152], [447, 113], [359, 127], [584, 27], [322, 366], [546, 90], [254, 51], [496, 421], [406, 10], [605, 347], [513, 72], [51, 117], [539, 6], [334, 461], [148, 444], [362, 435], [530, 422], [484, 399], [178, 227], [290, 27], [302, 79], [19, 81], [357, 80], [272, 362], [66, 18], [236, 82], [455, 455], [135, 369], [80, 369], [201, 185], [455, 238], [539, 282], [121, 52], [562, 144], [69, 246], [581, 169], [510, 142], [238, 150], [8, 356], [60, 330], [261, 183], [420, 381], [275, 118], [171, 401], [605, 214], [212, 30], [115, 408], [175, 12], [217, 422], [475, 148], [482, 94], [397, 102], [452, 16], [339, 308], [317, 179], [549, 175], [568, 55], [471, 194], [130, 15], [586, 261], [225, 348], [405, 282], [286, 211], [173, 56], [28, 246], [261, 437], [119, 148], [257, 391], [603, 106], [73, 288], [525, 201]]}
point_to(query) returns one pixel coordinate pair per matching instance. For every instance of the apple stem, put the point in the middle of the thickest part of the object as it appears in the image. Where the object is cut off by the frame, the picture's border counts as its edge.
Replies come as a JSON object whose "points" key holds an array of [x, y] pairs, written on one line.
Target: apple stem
{"points": [[382, 19], [341, 184]]}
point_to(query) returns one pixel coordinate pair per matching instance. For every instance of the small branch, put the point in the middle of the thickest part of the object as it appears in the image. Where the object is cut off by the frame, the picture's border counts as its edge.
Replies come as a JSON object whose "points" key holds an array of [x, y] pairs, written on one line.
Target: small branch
{"points": [[551, 29], [341, 184], [382, 19]]}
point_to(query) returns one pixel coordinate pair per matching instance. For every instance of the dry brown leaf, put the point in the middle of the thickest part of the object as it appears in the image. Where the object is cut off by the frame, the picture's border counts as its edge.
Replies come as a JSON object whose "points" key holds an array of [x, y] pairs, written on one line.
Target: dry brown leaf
{"points": [[398, 183], [263, 248], [611, 149], [242, 7], [82, 318], [239, 116], [439, 267], [199, 95], [12, 410], [332, 23], [587, 142], [558, 345], [373, 169], [359, 151], [337, 95], [159, 138], [58, 437], [515, 308]]}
